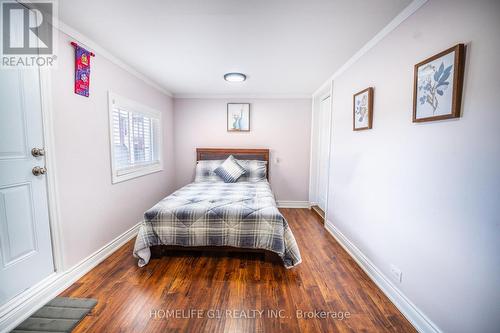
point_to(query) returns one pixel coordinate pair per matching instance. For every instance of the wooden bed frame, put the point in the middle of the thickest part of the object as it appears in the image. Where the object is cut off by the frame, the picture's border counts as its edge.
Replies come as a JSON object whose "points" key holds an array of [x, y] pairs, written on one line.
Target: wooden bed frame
{"points": [[221, 154], [242, 154]]}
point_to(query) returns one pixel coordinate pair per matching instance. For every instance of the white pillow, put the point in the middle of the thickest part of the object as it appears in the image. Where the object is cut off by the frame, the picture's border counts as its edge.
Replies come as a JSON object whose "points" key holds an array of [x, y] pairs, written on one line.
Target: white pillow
{"points": [[256, 171], [205, 171], [230, 170]]}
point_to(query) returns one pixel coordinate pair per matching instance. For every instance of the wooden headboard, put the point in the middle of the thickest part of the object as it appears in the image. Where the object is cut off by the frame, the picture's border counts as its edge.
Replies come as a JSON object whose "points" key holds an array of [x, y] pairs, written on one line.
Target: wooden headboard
{"points": [[242, 154]]}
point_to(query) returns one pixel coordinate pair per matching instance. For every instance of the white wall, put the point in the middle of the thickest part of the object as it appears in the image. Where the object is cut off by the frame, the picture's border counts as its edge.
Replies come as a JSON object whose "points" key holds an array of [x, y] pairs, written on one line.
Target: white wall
{"points": [[281, 125], [93, 211], [426, 197]]}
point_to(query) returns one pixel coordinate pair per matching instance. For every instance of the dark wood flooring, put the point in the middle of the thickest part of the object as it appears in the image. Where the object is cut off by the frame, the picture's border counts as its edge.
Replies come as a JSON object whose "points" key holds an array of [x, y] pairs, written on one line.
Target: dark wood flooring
{"points": [[226, 287]]}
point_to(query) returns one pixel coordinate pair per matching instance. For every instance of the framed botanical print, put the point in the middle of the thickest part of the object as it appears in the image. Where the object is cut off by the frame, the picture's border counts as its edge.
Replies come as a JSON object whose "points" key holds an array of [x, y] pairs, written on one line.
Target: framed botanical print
{"points": [[362, 110], [238, 117], [438, 84]]}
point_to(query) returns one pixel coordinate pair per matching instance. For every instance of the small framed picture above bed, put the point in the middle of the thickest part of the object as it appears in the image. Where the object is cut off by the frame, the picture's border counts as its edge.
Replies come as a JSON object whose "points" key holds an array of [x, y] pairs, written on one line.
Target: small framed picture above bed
{"points": [[362, 110], [238, 117]]}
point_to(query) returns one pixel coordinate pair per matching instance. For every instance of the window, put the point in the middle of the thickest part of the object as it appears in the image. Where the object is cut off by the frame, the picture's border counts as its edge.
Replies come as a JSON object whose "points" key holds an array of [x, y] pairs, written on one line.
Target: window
{"points": [[135, 134]]}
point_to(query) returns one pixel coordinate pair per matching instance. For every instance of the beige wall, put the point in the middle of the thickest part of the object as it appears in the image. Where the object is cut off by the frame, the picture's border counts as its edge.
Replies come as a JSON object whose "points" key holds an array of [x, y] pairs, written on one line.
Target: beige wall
{"points": [[426, 197], [93, 211], [281, 125]]}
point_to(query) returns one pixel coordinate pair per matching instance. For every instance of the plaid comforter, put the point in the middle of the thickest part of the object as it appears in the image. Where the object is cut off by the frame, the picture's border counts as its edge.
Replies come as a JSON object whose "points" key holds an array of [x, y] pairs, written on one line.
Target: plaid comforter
{"points": [[242, 215]]}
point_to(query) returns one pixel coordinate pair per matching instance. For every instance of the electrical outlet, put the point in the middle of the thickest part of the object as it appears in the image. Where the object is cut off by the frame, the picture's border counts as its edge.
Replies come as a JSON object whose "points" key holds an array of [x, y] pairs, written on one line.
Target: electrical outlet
{"points": [[396, 273]]}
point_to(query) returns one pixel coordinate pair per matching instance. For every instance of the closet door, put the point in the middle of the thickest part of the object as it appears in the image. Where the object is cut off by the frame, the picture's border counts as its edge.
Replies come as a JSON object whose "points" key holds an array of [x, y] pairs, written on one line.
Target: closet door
{"points": [[324, 118]]}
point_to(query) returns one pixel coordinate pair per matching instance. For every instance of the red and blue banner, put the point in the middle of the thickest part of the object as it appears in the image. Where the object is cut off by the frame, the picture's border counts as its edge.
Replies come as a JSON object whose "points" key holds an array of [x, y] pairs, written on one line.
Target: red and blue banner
{"points": [[82, 70]]}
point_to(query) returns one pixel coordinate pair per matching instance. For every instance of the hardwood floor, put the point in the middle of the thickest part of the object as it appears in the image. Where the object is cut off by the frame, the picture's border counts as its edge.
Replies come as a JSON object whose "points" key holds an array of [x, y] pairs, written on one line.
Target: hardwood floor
{"points": [[226, 287]]}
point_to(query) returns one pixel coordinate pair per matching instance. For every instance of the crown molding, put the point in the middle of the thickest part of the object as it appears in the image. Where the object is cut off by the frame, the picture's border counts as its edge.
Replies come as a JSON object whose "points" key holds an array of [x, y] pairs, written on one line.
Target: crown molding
{"points": [[242, 96], [400, 18], [97, 49]]}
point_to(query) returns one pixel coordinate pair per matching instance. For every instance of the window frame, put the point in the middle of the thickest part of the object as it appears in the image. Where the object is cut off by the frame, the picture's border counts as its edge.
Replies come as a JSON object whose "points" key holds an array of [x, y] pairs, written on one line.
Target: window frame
{"points": [[133, 106]]}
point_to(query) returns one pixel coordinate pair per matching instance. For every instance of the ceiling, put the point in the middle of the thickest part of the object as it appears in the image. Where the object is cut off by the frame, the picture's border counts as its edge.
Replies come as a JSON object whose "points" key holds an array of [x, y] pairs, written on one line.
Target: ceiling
{"points": [[286, 47]]}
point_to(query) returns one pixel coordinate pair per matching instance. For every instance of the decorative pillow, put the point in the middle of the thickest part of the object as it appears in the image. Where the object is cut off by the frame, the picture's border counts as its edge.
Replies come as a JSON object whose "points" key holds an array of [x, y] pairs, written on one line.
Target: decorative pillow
{"points": [[205, 171], [230, 170], [256, 171]]}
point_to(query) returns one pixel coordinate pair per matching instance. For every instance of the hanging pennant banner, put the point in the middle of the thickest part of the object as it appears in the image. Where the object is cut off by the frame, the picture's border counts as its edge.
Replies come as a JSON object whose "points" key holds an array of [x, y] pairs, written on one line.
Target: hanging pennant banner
{"points": [[82, 70]]}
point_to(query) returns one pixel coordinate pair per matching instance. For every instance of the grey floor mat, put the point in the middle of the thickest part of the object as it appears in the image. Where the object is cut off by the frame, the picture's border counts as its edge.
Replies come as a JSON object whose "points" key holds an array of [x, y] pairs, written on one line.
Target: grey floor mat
{"points": [[61, 314]]}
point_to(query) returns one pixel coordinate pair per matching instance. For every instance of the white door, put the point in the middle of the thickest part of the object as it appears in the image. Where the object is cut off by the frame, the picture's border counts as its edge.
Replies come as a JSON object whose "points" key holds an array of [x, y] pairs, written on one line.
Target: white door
{"points": [[25, 241], [323, 151]]}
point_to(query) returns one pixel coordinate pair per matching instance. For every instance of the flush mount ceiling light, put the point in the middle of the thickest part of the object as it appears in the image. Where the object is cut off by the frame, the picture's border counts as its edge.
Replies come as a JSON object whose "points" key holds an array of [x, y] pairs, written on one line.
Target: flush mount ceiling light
{"points": [[235, 77]]}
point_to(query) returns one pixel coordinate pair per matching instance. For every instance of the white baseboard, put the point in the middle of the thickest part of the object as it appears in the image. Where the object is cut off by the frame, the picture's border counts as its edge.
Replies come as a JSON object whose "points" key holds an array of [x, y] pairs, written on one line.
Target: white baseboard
{"points": [[25, 304], [418, 319], [293, 204]]}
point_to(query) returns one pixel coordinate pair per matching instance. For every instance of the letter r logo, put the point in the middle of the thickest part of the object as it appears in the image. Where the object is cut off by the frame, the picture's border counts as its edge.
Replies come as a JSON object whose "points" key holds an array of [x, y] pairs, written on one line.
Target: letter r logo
{"points": [[27, 30]]}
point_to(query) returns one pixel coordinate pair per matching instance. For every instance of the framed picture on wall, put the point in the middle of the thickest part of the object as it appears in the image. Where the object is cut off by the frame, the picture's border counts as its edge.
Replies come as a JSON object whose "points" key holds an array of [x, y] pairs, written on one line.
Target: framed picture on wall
{"points": [[438, 83], [238, 117], [362, 110]]}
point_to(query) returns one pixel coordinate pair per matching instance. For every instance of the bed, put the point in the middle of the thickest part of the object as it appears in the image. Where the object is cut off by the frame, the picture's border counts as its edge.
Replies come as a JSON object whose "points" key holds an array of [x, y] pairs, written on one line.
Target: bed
{"points": [[212, 213]]}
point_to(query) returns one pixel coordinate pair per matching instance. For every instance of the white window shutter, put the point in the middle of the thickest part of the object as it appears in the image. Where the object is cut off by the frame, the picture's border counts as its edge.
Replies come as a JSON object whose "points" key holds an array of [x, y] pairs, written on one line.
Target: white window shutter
{"points": [[135, 139]]}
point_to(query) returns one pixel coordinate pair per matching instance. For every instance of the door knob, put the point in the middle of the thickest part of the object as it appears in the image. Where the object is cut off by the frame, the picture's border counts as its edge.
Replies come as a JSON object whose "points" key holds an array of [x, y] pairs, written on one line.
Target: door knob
{"points": [[38, 171], [36, 152]]}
